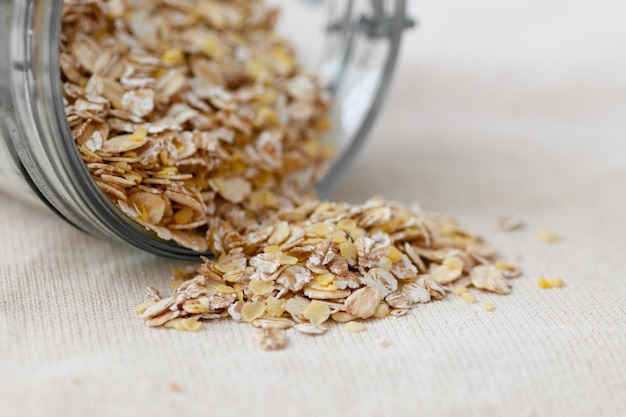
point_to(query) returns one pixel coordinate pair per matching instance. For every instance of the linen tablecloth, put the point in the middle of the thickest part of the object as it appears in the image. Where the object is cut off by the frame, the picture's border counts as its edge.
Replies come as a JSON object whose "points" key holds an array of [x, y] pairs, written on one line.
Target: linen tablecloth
{"points": [[514, 107]]}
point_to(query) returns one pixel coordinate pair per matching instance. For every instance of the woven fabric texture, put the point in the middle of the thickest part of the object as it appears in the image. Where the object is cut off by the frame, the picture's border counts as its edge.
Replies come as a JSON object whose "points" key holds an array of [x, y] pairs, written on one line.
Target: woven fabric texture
{"points": [[498, 108]]}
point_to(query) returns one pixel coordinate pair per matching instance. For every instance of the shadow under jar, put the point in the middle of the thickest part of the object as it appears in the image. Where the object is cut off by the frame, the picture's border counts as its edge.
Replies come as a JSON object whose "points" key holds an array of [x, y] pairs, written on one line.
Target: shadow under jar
{"points": [[352, 44]]}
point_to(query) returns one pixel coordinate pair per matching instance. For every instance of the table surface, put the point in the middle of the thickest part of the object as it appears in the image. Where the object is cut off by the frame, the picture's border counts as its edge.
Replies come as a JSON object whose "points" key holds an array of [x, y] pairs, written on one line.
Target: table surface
{"points": [[498, 108]]}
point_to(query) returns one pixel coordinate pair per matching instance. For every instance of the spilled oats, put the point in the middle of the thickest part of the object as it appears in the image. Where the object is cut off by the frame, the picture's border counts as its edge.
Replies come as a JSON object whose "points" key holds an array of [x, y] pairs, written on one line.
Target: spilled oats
{"points": [[197, 121]]}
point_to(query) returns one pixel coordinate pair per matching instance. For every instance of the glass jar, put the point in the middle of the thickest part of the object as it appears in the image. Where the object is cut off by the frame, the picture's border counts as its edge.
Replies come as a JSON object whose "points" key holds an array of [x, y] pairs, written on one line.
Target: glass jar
{"points": [[353, 44]]}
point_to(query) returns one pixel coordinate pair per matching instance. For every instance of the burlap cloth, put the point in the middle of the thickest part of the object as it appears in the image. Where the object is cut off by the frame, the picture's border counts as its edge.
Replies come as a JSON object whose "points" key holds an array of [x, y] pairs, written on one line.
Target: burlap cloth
{"points": [[499, 107]]}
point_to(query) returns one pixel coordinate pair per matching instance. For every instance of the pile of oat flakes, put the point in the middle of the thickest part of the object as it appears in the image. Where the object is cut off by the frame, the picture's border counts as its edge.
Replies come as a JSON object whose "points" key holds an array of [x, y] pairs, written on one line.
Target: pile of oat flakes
{"points": [[195, 118]]}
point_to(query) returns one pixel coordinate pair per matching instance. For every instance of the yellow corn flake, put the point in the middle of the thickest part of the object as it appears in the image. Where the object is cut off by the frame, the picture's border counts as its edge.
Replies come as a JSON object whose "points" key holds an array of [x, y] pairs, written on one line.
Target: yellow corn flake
{"points": [[318, 230], [225, 268], [463, 241], [317, 312], [172, 55], [180, 273], [274, 307], [175, 283], [547, 236], [504, 266], [123, 165], [328, 150], [488, 305], [252, 311], [285, 259], [184, 215], [314, 286], [382, 311], [133, 176], [453, 263], [312, 147], [225, 289], [325, 279], [354, 326], [338, 237], [449, 229], [469, 297], [166, 172], [395, 223], [347, 225], [254, 68], [459, 290], [143, 217], [92, 156], [266, 116], [543, 283], [139, 135], [144, 306], [394, 254], [272, 250], [190, 324], [281, 257], [283, 61], [165, 161], [547, 282], [342, 317], [212, 47], [259, 287], [323, 124], [263, 199], [348, 250]]}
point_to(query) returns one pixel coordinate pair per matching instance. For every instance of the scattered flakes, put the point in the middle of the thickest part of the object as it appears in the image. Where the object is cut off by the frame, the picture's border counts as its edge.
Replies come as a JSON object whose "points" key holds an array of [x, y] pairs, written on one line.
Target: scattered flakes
{"points": [[382, 343], [508, 270], [382, 311], [468, 297], [269, 339], [488, 305], [449, 271], [311, 329], [548, 282], [547, 236], [459, 290], [354, 326], [342, 317], [274, 323], [489, 277], [509, 223], [187, 324]]}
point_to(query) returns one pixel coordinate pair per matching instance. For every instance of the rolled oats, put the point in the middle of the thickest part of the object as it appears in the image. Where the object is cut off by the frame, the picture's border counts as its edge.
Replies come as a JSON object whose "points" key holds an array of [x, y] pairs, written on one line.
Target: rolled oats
{"points": [[354, 327], [488, 305], [269, 339], [208, 136], [363, 302], [311, 329]]}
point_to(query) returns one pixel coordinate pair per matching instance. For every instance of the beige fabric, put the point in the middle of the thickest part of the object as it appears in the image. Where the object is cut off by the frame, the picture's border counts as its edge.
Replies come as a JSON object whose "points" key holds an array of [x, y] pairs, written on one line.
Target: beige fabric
{"points": [[499, 107]]}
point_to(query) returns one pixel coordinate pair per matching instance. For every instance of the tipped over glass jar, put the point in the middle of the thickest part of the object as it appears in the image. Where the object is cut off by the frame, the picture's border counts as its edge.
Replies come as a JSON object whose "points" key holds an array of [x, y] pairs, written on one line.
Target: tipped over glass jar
{"points": [[351, 45]]}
